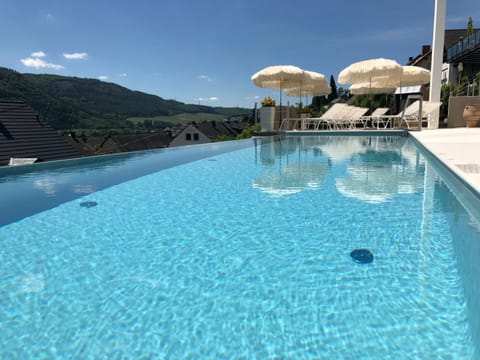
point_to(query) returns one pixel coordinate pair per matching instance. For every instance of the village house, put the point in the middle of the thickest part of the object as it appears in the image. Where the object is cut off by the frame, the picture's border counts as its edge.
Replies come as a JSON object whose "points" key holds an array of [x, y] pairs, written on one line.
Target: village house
{"points": [[207, 131]]}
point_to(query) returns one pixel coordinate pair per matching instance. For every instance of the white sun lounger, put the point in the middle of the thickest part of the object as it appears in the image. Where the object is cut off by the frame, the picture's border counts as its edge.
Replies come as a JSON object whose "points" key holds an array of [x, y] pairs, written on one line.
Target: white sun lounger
{"points": [[355, 117], [428, 109], [374, 117], [326, 119], [343, 118], [393, 120]]}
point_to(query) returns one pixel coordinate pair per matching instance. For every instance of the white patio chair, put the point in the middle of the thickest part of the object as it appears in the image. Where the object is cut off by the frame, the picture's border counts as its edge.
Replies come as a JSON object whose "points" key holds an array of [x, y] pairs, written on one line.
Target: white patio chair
{"points": [[428, 109], [324, 120], [345, 118], [340, 118], [392, 120], [356, 117], [374, 117]]}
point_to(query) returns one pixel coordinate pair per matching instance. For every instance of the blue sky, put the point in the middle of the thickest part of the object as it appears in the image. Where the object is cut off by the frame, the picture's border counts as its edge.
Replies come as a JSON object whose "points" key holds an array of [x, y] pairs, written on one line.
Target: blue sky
{"points": [[206, 51]]}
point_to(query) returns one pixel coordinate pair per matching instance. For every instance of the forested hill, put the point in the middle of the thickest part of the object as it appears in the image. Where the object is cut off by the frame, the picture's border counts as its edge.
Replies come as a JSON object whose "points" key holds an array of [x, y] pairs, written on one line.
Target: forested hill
{"points": [[71, 102]]}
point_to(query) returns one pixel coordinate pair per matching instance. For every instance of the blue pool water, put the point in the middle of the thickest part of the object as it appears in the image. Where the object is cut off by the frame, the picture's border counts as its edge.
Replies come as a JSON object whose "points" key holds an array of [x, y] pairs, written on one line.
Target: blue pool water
{"points": [[242, 254]]}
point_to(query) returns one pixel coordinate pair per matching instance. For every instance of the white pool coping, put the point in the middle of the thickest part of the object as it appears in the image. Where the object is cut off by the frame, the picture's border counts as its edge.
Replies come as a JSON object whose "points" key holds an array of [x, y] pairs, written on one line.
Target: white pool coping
{"points": [[458, 149]]}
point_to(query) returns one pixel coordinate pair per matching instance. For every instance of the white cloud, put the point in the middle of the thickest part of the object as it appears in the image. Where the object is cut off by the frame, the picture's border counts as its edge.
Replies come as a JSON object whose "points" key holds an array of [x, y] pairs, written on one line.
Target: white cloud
{"points": [[205, 78], [212, 98], [38, 54], [38, 63], [47, 184], [123, 75], [76, 56], [103, 78]]}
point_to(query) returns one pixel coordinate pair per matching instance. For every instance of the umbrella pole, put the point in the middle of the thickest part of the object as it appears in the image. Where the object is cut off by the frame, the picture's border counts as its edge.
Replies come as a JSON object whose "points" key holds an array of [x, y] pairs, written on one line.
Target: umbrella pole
{"points": [[280, 104], [371, 98]]}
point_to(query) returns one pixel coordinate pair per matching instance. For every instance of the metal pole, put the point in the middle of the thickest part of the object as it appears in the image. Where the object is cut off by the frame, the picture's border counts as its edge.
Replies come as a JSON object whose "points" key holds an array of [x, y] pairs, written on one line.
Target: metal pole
{"points": [[437, 56], [420, 113]]}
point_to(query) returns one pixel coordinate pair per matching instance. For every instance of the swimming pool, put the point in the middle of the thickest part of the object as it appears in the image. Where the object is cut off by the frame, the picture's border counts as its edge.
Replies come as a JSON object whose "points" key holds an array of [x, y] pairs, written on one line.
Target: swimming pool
{"points": [[243, 252]]}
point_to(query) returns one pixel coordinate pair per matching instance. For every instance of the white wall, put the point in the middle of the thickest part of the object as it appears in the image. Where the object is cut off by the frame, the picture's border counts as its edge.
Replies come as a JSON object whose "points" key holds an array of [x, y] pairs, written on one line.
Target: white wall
{"points": [[181, 138]]}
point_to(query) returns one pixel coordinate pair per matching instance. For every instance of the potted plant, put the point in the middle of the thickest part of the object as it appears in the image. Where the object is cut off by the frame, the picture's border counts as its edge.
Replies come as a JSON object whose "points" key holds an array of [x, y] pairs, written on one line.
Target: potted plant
{"points": [[267, 114], [268, 102]]}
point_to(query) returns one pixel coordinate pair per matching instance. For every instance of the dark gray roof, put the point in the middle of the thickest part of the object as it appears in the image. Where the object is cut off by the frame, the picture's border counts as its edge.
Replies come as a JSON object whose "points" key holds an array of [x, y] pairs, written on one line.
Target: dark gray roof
{"points": [[135, 142], [236, 126], [24, 135], [98, 145], [214, 129]]}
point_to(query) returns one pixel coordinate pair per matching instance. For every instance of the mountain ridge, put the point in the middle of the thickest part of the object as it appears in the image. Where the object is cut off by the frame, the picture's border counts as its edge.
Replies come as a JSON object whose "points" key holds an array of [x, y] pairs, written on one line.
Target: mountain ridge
{"points": [[68, 102]]}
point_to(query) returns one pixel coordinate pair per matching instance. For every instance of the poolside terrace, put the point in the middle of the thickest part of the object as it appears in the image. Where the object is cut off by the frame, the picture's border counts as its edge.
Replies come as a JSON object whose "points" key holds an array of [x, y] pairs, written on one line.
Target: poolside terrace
{"points": [[458, 149]]}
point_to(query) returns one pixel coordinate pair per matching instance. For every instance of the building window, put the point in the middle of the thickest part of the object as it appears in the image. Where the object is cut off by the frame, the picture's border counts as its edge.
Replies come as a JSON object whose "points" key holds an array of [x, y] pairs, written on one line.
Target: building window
{"points": [[195, 137], [188, 136]]}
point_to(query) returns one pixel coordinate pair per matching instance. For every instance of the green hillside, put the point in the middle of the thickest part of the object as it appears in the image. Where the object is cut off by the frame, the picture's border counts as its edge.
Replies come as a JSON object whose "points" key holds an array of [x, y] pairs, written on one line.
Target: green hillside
{"points": [[178, 119], [71, 102]]}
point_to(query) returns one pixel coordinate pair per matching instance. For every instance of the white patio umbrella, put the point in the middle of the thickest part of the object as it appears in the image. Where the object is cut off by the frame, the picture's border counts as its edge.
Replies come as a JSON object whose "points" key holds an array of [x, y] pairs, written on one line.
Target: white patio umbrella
{"points": [[411, 76], [371, 88], [378, 184], [367, 70], [371, 72], [339, 148], [279, 77], [414, 75], [308, 90], [316, 78], [294, 178], [315, 85]]}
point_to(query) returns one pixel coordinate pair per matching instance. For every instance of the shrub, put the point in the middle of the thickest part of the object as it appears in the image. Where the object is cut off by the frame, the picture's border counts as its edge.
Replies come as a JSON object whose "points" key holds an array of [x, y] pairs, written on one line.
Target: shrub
{"points": [[248, 132]]}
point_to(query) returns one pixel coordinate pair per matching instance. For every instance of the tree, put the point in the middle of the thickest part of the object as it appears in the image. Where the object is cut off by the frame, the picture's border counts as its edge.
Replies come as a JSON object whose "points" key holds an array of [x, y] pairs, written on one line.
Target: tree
{"points": [[318, 102], [470, 27], [333, 95], [375, 101]]}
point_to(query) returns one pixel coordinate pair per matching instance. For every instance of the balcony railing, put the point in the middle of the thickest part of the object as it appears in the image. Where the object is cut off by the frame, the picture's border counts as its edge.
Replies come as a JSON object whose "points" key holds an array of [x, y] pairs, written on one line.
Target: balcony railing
{"points": [[463, 46]]}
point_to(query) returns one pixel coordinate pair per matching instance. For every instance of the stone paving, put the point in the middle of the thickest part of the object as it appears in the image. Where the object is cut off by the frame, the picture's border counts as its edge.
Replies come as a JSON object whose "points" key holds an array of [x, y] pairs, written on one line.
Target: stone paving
{"points": [[458, 148]]}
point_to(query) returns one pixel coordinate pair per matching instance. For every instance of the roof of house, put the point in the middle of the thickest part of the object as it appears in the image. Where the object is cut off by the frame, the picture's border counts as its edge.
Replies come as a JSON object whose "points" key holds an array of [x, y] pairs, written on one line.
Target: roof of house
{"points": [[96, 145], [452, 36], [24, 135], [215, 129], [135, 142]]}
